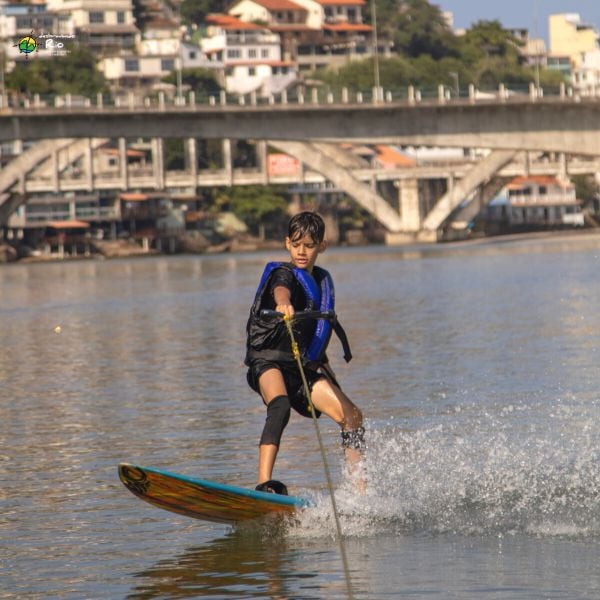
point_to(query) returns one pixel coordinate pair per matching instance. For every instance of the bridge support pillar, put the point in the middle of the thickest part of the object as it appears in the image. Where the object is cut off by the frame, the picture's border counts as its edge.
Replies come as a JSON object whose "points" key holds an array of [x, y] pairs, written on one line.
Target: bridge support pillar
{"points": [[193, 160], [55, 171], [227, 161], [88, 164], [158, 163], [409, 206], [410, 209], [261, 155], [563, 174], [123, 163]]}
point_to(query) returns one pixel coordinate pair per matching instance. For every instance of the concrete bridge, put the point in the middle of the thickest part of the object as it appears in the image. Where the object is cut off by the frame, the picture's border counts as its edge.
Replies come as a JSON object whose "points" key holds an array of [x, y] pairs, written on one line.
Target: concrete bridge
{"points": [[311, 132]]}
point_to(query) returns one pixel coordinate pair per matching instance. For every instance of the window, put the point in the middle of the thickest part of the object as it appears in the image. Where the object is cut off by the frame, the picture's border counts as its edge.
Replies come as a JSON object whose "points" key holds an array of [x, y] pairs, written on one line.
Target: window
{"points": [[252, 53], [132, 64], [234, 53], [96, 17], [192, 55], [264, 53], [251, 71], [167, 64], [120, 17]]}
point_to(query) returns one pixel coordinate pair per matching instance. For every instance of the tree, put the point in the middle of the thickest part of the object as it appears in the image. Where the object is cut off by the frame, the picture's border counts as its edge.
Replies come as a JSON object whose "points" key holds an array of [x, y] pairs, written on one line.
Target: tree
{"points": [[202, 81], [416, 27], [586, 188], [489, 40], [195, 11], [256, 205], [75, 73]]}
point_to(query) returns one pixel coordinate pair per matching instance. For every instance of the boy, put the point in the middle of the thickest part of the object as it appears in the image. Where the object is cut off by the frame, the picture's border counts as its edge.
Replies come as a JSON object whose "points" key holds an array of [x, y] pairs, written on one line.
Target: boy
{"points": [[273, 372]]}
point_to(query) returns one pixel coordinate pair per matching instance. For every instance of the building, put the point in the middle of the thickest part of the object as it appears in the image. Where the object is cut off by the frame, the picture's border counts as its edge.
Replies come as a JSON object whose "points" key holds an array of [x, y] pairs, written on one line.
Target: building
{"points": [[132, 71], [314, 33], [106, 26], [534, 202], [532, 50], [562, 64], [586, 77], [570, 36], [249, 54]]}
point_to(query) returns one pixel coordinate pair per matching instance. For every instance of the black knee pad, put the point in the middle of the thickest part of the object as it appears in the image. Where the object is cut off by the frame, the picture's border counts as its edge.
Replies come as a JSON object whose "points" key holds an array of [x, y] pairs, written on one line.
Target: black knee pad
{"points": [[355, 438], [278, 415]]}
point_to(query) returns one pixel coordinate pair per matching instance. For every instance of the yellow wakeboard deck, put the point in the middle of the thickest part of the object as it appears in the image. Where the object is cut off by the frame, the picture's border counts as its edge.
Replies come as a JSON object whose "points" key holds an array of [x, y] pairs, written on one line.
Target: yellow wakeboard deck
{"points": [[202, 499]]}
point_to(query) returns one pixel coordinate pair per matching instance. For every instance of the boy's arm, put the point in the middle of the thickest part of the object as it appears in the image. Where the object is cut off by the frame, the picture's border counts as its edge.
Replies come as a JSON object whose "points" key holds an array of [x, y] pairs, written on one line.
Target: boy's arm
{"points": [[283, 300]]}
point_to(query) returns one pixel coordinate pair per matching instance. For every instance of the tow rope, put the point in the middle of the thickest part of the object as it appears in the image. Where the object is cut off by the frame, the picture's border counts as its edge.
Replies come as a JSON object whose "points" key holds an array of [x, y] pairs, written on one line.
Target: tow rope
{"points": [[296, 352]]}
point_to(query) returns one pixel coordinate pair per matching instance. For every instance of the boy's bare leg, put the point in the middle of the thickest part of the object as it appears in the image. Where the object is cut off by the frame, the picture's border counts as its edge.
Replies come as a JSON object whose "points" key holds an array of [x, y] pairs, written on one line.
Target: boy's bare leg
{"points": [[267, 453], [329, 399]]}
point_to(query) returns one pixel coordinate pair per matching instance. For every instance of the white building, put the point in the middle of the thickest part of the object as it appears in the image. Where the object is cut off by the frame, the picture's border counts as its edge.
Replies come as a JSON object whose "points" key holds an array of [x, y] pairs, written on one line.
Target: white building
{"points": [[315, 33], [106, 26], [249, 54], [537, 201], [585, 78], [134, 71]]}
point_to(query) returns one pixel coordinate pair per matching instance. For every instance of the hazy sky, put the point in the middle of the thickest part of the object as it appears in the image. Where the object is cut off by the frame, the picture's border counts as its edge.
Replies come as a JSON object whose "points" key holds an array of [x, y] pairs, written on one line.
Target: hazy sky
{"points": [[530, 14]]}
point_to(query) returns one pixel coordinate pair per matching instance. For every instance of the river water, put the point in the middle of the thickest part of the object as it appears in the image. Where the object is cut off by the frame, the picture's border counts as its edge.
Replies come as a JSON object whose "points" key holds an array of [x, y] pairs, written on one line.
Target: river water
{"points": [[476, 366]]}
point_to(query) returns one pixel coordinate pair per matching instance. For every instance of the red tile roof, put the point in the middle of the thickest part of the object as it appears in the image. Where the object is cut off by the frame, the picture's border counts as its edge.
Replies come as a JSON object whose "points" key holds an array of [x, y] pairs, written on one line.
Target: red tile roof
{"points": [[280, 5], [229, 22], [522, 180], [342, 2], [391, 159], [68, 224]]}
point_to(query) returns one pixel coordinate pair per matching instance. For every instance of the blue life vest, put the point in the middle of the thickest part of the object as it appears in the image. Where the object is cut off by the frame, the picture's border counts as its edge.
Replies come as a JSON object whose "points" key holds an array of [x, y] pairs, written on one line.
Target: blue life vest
{"points": [[320, 295]]}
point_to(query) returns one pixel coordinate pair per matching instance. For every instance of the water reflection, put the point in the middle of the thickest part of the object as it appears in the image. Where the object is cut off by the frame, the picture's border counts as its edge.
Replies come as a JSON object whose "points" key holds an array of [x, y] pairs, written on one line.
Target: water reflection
{"points": [[245, 563]]}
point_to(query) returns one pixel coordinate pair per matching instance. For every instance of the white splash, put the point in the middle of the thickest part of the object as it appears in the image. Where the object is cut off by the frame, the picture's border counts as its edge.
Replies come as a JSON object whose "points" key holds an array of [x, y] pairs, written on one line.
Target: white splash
{"points": [[486, 474]]}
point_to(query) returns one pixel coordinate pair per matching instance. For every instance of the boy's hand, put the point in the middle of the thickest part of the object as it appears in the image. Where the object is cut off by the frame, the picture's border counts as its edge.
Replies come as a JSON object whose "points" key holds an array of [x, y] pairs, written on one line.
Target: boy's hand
{"points": [[285, 309], [283, 301]]}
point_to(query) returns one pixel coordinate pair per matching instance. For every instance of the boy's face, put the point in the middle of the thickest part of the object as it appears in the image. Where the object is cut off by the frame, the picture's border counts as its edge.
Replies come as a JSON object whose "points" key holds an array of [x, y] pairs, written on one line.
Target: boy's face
{"points": [[304, 251]]}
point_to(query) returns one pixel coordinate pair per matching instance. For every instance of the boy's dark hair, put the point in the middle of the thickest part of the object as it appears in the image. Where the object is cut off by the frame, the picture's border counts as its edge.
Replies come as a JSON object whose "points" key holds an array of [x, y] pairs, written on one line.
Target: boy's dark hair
{"points": [[307, 223]]}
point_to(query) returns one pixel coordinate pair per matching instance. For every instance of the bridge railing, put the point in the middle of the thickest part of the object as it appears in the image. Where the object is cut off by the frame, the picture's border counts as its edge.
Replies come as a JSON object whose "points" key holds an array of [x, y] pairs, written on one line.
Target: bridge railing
{"points": [[310, 96]]}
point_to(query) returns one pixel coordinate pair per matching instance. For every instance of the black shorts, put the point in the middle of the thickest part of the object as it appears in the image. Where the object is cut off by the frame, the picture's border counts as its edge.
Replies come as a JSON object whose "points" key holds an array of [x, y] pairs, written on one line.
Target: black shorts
{"points": [[292, 380]]}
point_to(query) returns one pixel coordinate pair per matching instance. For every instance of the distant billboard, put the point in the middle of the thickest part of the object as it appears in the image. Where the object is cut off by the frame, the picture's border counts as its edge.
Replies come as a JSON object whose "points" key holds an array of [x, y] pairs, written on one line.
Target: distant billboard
{"points": [[280, 164]]}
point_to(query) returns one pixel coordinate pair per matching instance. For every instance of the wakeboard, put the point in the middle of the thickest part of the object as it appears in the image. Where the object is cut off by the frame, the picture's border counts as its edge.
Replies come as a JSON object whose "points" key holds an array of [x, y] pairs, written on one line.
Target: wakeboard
{"points": [[202, 499]]}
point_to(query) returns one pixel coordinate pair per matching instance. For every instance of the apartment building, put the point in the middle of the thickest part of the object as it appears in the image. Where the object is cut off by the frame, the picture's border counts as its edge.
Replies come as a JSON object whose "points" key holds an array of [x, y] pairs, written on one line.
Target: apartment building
{"points": [[314, 33], [531, 202], [249, 54], [106, 26], [570, 36]]}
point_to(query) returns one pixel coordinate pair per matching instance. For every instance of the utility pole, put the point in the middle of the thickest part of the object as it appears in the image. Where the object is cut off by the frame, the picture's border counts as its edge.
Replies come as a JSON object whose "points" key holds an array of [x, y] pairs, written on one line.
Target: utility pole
{"points": [[375, 47]]}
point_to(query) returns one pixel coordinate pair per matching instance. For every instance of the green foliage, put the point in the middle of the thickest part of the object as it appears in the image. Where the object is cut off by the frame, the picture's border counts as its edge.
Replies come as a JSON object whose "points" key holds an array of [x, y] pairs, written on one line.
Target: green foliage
{"points": [[430, 54], [174, 154], [255, 204], [489, 40], [75, 73], [416, 27], [202, 81], [586, 188], [194, 11]]}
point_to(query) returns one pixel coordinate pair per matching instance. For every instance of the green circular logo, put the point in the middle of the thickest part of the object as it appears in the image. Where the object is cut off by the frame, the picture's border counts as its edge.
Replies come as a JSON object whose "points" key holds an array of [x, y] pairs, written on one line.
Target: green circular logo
{"points": [[27, 45]]}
